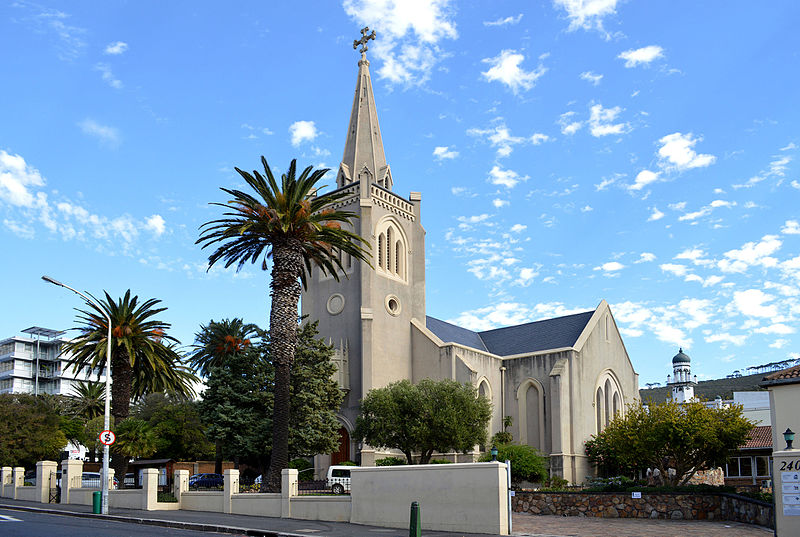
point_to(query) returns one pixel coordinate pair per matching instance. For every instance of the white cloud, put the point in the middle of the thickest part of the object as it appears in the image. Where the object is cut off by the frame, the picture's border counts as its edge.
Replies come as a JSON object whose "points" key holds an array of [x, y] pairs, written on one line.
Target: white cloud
{"points": [[108, 76], [107, 135], [655, 215], [568, 125], [505, 68], [751, 254], [677, 153], [779, 343], [498, 203], [673, 268], [501, 138], [511, 313], [506, 178], [644, 178], [155, 224], [726, 338], [592, 78], [526, 276], [695, 255], [409, 33], [601, 121], [303, 131], [776, 168], [778, 329], [444, 152], [646, 257], [23, 231], [16, 178], [697, 310], [791, 228], [503, 22], [610, 266], [116, 48], [753, 303], [517, 228], [587, 14], [641, 56], [587, 209]]}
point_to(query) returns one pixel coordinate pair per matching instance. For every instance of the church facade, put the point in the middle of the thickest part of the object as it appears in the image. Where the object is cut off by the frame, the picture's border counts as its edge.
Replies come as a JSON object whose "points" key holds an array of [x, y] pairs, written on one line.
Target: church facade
{"points": [[560, 379]]}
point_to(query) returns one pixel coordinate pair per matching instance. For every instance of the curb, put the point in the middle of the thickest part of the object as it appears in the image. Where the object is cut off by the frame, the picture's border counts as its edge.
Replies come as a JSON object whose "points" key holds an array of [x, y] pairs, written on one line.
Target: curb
{"points": [[195, 526]]}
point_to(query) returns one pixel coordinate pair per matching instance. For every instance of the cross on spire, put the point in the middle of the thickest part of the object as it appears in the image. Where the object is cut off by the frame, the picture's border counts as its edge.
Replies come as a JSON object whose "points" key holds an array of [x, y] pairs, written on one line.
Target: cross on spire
{"points": [[364, 39]]}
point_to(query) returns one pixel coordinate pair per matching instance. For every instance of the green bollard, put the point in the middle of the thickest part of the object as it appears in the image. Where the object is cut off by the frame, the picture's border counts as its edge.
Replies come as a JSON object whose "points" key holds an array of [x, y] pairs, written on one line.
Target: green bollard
{"points": [[97, 501], [415, 528]]}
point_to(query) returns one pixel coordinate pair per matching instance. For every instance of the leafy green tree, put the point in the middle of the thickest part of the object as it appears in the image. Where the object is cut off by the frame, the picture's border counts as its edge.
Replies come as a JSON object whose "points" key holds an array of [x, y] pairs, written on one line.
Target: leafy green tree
{"points": [[141, 358], [527, 463], [135, 439], [425, 417], [297, 229], [686, 437], [180, 433], [88, 400], [30, 430]]}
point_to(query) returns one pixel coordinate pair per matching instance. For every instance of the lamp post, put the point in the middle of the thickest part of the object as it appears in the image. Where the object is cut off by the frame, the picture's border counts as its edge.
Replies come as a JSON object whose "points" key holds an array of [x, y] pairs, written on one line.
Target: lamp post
{"points": [[107, 415], [788, 436], [494, 453]]}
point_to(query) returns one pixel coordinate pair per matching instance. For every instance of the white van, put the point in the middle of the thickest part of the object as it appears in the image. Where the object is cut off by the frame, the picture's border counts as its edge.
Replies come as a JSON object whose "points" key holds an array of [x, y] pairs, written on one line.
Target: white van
{"points": [[339, 479]]}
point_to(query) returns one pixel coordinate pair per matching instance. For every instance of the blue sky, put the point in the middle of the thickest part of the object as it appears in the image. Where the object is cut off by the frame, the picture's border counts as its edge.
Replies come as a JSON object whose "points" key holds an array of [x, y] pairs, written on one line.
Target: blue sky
{"points": [[567, 151]]}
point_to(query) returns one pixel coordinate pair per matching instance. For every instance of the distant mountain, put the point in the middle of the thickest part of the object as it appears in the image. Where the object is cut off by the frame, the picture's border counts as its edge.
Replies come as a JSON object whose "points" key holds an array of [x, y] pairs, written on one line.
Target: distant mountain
{"points": [[710, 389]]}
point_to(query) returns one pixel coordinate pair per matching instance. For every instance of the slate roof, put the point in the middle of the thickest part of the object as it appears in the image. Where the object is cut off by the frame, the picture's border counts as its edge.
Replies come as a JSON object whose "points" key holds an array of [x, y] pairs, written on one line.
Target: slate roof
{"points": [[529, 337], [784, 376], [760, 438]]}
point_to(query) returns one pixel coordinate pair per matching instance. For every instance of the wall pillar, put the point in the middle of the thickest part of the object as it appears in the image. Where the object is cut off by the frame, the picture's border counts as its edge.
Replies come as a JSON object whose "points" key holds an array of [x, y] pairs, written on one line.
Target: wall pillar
{"points": [[45, 470], [786, 491], [110, 481], [71, 477], [230, 487], [17, 481], [180, 484], [289, 489], [149, 488], [6, 482]]}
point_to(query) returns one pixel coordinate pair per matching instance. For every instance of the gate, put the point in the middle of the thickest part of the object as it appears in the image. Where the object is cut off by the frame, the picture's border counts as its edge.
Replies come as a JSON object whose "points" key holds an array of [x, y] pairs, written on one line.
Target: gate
{"points": [[55, 488]]}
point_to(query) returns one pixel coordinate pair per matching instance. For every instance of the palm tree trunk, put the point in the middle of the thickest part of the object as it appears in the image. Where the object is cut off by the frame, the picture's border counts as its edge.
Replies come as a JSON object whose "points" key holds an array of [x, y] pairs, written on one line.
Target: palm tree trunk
{"points": [[121, 385], [287, 264], [218, 457]]}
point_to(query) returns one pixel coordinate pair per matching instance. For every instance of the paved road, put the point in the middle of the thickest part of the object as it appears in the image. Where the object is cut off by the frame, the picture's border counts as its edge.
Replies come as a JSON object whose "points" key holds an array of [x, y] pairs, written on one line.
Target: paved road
{"points": [[28, 524], [572, 526]]}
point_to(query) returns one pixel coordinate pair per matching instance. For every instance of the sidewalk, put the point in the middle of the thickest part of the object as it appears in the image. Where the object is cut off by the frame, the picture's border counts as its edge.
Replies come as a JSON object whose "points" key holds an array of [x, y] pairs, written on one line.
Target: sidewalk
{"points": [[524, 524]]}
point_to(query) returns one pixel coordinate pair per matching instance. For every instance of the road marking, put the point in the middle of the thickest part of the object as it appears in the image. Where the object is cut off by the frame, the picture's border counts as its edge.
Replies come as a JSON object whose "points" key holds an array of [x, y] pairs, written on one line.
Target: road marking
{"points": [[6, 518]]}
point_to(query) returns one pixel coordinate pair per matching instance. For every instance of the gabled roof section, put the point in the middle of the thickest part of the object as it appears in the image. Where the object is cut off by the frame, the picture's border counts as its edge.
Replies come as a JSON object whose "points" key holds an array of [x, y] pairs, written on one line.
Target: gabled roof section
{"points": [[364, 144], [537, 336], [784, 376], [450, 333], [759, 438]]}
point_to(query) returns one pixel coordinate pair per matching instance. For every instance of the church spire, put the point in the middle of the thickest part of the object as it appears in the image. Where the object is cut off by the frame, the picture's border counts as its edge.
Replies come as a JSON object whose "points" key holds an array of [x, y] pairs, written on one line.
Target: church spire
{"points": [[364, 159]]}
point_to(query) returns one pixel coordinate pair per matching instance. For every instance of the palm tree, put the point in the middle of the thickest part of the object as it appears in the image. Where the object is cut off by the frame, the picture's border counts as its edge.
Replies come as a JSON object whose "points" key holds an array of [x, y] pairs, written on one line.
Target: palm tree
{"points": [[219, 340], [214, 345], [141, 359], [89, 400], [289, 223]]}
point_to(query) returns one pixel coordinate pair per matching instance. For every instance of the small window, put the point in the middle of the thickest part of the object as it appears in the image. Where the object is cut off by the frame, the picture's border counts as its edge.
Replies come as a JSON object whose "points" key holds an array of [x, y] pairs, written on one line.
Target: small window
{"points": [[340, 473], [762, 466]]}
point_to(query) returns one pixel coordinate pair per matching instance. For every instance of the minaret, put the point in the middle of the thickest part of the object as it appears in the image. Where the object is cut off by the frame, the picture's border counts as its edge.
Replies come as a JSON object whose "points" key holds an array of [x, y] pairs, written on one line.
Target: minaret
{"points": [[682, 382], [363, 159]]}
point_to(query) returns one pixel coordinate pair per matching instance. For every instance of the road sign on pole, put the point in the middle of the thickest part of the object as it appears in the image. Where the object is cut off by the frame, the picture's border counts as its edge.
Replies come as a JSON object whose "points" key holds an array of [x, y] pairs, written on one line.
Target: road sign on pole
{"points": [[107, 438]]}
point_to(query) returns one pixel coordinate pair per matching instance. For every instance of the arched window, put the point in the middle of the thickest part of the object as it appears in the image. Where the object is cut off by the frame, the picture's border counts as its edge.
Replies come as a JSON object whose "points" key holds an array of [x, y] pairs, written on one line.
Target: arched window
{"points": [[389, 249], [531, 414], [616, 403], [381, 248], [598, 402], [392, 248], [608, 399], [607, 405]]}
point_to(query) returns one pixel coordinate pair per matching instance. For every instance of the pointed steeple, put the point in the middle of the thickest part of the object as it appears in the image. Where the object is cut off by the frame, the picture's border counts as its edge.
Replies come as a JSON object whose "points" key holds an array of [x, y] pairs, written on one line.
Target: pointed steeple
{"points": [[364, 159]]}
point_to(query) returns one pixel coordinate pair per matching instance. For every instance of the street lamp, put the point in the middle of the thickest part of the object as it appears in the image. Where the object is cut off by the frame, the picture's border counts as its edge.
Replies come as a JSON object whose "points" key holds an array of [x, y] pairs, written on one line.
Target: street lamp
{"points": [[107, 416], [494, 453], [788, 435]]}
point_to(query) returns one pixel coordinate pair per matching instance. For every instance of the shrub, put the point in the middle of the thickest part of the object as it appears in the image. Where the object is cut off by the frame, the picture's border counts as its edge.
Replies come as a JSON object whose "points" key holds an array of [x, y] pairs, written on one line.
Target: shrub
{"points": [[526, 462], [305, 469], [390, 461], [348, 463], [440, 461], [555, 483], [503, 437]]}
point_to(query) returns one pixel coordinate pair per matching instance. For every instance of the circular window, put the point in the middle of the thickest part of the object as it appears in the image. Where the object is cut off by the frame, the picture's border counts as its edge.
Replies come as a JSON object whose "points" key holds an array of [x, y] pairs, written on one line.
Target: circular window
{"points": [[335, 304], [393, 305]]}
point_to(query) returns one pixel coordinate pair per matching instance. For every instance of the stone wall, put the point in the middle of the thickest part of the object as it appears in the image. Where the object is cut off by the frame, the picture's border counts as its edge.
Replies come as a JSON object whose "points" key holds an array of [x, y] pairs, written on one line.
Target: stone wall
{"points": [[674, 506]]}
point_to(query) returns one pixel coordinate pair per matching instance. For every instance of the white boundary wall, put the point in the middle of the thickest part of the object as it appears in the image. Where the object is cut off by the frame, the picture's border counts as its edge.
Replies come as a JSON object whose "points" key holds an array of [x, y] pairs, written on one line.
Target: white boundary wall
{"points": [[466, 497]]}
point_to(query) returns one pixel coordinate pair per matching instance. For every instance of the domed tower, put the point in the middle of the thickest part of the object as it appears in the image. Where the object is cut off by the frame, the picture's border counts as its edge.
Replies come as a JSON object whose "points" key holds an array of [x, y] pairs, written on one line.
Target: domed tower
{"points": [[682, 382]]}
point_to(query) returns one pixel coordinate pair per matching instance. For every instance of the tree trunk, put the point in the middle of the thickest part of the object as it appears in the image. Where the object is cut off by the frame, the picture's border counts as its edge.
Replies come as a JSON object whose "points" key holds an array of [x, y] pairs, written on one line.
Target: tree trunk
{"points": [[287, 264], [218, 457], [121, 386]]}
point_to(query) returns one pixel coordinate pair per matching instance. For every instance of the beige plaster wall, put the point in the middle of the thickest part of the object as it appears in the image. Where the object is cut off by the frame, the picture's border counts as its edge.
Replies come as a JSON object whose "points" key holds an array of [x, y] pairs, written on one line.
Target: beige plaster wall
{"points": [[202, 501], [125, 499], [452, 497], [331, 509], [28, 493], [257, 504], [784, 401]]}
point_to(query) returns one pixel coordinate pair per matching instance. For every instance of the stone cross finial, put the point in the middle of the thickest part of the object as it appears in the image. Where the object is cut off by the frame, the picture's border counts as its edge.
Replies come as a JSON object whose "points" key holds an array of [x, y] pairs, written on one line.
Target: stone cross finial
{"points": [[364, 39]]}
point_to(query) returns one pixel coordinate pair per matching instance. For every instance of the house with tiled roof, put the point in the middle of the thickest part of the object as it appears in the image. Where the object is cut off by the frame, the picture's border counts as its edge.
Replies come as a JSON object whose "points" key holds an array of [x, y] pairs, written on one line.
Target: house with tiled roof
{"points": [[561, 380], [784, 398], [750, 465]]}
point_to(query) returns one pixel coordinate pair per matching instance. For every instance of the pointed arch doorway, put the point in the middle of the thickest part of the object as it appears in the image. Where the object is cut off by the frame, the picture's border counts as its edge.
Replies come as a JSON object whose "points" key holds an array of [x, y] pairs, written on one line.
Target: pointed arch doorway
{"points": [[343, 453]]}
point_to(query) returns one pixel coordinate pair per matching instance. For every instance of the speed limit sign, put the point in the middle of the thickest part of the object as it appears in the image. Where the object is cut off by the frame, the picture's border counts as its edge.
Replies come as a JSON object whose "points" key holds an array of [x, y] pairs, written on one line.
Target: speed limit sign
{"points": [[107, 438]]}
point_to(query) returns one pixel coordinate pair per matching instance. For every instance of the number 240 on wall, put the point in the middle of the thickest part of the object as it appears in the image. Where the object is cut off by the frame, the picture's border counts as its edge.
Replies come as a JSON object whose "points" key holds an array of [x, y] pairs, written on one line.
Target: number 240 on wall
{"points": [[788, 466]]}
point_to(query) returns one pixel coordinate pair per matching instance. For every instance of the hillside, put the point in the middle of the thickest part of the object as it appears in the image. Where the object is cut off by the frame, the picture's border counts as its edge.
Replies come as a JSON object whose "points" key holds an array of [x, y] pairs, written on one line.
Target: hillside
{"points": [[710, 389]]}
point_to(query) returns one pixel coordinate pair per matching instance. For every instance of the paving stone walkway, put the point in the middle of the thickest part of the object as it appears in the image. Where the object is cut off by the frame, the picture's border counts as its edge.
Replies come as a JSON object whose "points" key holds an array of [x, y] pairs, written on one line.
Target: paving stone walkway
{"points": [[559, 526]]}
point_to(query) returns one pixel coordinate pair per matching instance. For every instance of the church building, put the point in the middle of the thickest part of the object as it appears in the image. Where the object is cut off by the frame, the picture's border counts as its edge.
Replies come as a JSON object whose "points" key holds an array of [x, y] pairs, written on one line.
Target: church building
{"points": [[561, 380]]}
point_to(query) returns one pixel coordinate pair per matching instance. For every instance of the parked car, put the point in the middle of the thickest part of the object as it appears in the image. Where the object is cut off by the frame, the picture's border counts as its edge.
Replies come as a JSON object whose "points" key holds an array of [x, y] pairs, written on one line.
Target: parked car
{"points": [[338, 479], [92, 480], [206, 481]]}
